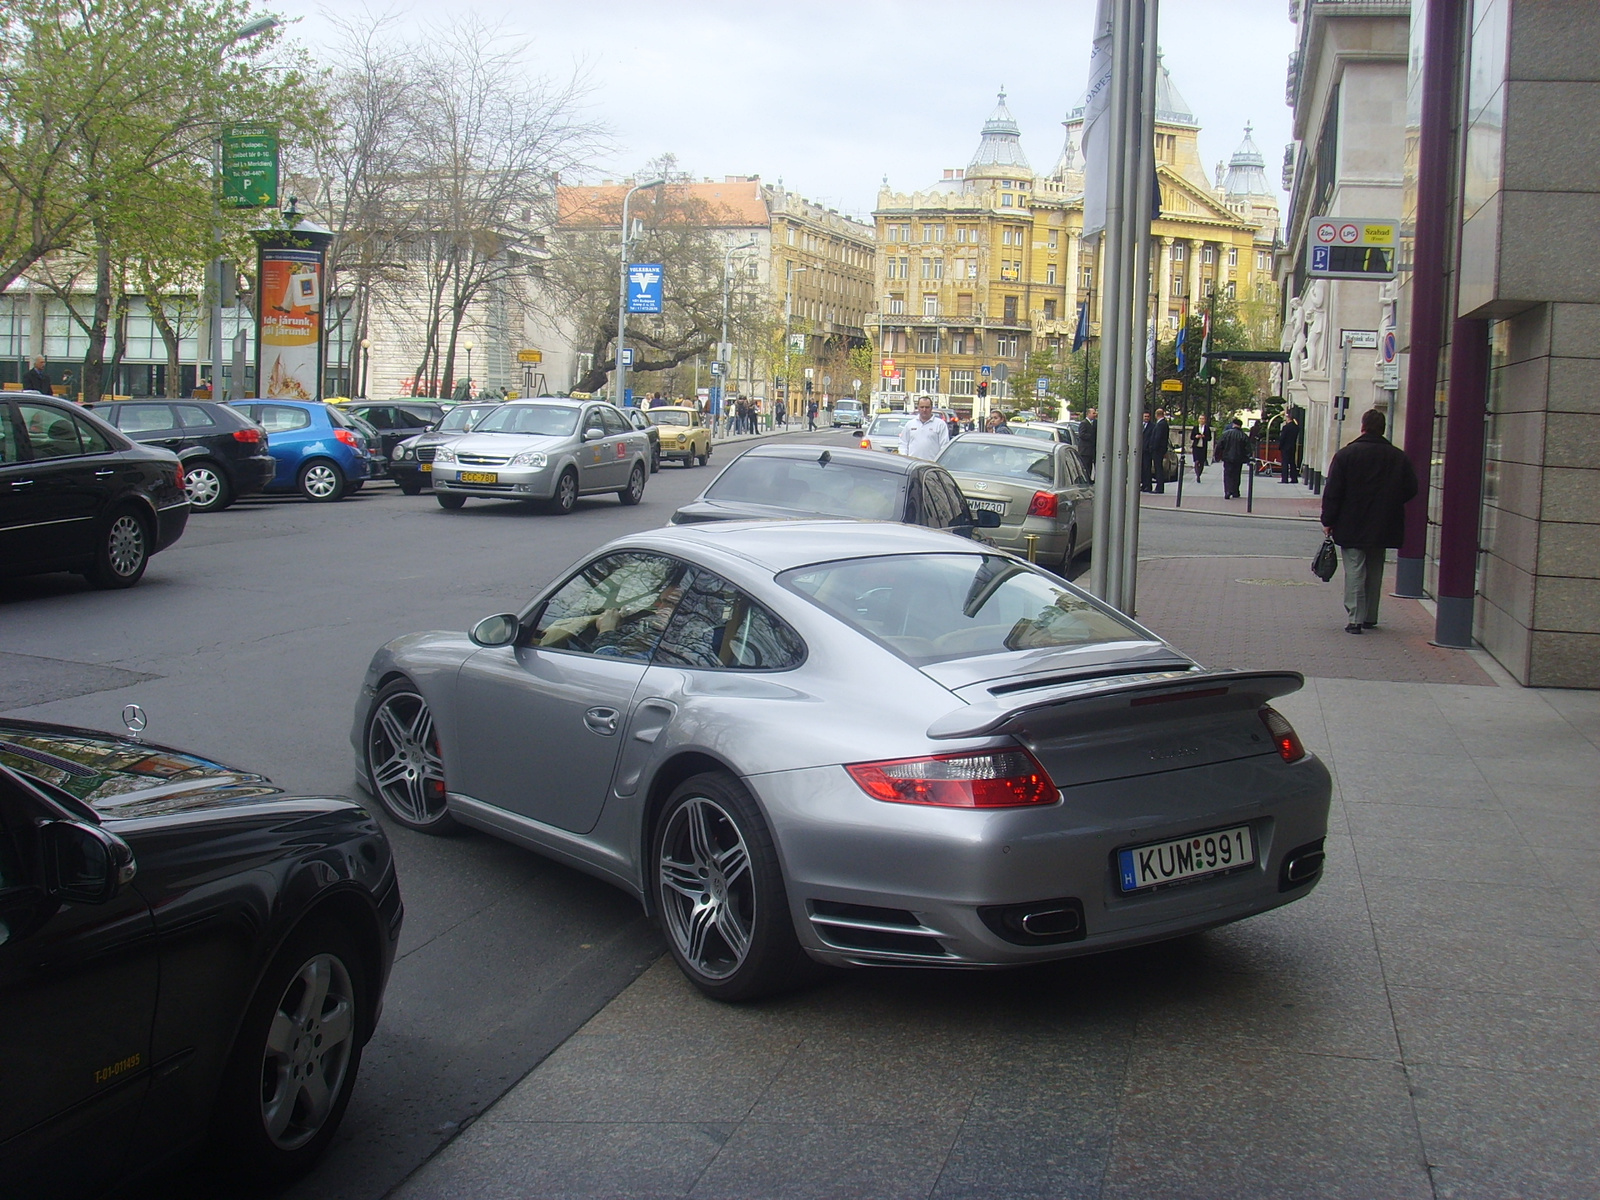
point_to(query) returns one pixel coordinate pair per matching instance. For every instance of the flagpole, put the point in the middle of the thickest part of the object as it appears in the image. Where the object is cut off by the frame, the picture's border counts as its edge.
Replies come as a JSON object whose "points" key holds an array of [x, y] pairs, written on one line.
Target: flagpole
{"points": [[1104, 136]]}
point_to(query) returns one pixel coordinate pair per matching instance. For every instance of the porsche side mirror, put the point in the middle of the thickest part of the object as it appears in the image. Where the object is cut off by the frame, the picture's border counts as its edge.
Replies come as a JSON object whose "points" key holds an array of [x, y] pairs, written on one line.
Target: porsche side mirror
{"points": [[498, 630], [84, 863]]}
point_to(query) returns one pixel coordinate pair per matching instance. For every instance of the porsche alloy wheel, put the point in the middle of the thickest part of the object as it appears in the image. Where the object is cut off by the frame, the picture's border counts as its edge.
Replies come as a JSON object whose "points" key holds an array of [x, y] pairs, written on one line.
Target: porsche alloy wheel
{"points": [[404, 762]]}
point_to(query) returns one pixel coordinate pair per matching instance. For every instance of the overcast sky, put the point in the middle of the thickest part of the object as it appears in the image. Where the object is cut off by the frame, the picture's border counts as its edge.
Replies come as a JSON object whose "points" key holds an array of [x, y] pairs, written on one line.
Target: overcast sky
{"points": [[833, 95]]}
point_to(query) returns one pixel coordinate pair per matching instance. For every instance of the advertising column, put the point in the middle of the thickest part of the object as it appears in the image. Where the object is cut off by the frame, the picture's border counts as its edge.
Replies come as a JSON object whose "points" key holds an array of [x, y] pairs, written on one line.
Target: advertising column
{"points": [[289, 309]]}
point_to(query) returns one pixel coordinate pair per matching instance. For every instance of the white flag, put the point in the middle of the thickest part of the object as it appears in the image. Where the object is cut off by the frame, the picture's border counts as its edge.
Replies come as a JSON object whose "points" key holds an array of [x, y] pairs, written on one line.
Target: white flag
{"points": [[1150, 355], [1097, 125]]}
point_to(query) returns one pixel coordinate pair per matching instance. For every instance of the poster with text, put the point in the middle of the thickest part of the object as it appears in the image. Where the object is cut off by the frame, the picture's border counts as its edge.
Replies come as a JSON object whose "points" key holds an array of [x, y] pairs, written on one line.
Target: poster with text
{"points": [[291, 324]]}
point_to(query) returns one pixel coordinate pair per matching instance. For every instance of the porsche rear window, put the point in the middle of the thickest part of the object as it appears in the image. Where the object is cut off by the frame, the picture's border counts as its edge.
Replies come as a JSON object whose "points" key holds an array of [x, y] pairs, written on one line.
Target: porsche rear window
{"points": [[930, 608], [825, 488]]}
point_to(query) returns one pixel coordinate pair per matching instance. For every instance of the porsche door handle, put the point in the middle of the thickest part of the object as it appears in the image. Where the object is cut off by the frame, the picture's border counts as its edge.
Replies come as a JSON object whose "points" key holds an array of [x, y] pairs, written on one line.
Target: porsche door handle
{"points": [[602, 721]]}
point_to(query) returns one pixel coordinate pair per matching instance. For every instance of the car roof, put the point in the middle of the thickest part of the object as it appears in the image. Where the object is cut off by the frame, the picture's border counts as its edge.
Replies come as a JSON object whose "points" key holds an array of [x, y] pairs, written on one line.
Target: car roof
{"points": [[782, 545], [669, 408], [872, 460], [1006, 439]]}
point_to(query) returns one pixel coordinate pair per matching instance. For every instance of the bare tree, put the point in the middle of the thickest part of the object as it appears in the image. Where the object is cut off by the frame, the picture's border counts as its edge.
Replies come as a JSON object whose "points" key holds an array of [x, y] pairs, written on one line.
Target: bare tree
{"points": [[687, 236]]}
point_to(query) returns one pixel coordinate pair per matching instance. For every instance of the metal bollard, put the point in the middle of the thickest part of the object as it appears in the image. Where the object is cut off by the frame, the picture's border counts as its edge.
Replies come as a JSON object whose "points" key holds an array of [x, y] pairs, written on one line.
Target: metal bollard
{"points": [[1033, 547], [1250, 491]]}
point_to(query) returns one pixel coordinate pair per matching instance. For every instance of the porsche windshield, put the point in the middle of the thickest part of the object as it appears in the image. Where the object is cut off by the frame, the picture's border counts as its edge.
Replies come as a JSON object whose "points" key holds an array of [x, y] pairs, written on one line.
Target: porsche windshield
{"points": [[932, 607], [548, 420], [821, 486]]}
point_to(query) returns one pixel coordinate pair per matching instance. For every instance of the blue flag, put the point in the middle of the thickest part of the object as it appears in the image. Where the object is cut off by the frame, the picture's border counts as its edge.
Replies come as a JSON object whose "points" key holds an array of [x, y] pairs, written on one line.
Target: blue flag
{"points": [[1183, 330], [1081, 334]]}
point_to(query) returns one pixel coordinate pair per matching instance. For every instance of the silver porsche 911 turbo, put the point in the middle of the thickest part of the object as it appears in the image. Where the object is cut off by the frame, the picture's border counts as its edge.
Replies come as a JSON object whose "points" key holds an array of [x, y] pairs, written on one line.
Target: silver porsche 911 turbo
{"points": [[854, 744]]}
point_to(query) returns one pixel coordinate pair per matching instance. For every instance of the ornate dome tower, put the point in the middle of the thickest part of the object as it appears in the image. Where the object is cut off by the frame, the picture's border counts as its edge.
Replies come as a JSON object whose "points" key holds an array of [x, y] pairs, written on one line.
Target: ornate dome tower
{"points": [[1246, 188]]}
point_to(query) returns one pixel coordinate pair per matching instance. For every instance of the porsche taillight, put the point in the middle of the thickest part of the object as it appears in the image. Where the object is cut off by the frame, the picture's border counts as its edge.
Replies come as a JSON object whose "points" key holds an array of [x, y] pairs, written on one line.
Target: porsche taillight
{"points": [[1290, 748], [981, 779]]}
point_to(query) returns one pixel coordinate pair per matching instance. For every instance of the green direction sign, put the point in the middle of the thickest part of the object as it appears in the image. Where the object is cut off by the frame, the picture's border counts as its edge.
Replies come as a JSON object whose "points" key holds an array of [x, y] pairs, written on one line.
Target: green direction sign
{"points": [[250, 166]]}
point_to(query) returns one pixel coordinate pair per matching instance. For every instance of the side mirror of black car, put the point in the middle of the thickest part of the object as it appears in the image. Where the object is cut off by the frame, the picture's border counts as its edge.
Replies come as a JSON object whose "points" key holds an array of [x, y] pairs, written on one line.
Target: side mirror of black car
{"points": [[84, 863], [498, 630], [984, 519]]}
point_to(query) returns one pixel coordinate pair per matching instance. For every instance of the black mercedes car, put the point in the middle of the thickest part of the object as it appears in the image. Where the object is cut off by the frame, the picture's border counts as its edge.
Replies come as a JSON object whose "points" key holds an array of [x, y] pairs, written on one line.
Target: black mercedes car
{"points": [[784, 480], [76, 495], [187, 956], [411, 464], [223, 452]]}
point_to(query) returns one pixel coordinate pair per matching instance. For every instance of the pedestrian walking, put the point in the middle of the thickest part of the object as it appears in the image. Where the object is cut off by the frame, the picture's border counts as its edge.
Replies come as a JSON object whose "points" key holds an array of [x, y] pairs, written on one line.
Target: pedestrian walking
{"points": [[36, 378], [1364, 500], [811, 417], [1200, 446], [1233, 451], [925, 434], [1289, 449], [1088, 432]]}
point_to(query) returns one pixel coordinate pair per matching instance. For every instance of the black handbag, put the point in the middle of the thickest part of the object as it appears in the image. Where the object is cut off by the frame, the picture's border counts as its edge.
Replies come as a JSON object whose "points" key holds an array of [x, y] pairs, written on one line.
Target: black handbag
{"points": [[1326, 561]]}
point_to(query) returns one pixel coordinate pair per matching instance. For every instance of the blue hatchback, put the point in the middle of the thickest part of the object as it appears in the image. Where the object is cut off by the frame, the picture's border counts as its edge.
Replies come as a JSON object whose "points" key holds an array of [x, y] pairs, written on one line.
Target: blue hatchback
{"points": [[320, 452]]}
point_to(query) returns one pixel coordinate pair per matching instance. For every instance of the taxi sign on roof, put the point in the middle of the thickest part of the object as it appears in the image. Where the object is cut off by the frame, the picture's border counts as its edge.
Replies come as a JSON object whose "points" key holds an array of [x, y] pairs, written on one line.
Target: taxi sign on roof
{"points": [[1352, 247]]}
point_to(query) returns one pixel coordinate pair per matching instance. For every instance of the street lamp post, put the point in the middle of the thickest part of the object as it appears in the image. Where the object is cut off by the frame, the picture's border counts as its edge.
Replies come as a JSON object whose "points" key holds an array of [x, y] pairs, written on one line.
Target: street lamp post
{"points": [[366, 347], [727, 266], [467, 346], [788, 315], [243, 34], [621, 388]]}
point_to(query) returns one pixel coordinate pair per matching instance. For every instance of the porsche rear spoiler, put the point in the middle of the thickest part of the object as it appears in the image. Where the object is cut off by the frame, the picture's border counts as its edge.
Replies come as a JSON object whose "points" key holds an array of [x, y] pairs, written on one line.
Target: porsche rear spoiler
{"points": [[976, 720]]}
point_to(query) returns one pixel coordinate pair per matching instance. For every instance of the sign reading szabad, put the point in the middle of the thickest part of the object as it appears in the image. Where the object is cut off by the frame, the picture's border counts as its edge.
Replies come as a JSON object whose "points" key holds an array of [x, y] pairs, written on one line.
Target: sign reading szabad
{"points": [[1351, 247]]}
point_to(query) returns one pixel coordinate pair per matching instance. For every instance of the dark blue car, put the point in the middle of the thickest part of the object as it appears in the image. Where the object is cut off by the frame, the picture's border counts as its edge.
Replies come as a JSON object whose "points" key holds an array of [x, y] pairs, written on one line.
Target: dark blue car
{"points": [[321, 453]]}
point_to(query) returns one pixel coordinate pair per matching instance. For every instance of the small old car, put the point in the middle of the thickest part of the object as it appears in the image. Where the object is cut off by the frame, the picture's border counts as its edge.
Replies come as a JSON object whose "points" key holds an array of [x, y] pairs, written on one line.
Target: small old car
{"points": [[684, 437]]}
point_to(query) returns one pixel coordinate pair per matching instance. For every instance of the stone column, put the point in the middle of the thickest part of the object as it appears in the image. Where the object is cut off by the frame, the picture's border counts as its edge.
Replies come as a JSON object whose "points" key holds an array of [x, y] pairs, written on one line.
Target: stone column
{"points": [[1192, 276], [1163, 285]]}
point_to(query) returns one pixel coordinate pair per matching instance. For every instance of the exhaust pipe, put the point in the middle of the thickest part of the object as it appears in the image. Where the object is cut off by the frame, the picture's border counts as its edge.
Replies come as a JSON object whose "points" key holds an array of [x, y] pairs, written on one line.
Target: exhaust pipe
{"points": [[1301, 866]]}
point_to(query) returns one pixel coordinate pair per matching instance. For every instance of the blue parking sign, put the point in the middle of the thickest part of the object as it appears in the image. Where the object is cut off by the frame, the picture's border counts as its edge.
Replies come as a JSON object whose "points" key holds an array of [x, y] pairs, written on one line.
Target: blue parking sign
{"points": [[644, 287], [1319, 258]]}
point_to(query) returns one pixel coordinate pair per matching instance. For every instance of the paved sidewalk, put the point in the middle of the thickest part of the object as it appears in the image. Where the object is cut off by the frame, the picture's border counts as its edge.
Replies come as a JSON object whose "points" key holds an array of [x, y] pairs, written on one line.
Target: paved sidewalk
{"points": [[1271, 498]]}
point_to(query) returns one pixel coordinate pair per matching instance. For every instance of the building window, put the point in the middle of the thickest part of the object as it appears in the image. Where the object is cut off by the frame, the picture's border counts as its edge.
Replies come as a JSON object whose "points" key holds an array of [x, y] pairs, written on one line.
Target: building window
{"points": [[933, 233], [1011, 310], [1006, 345], [895, 383], [1005, 200], [933, 268], [1050, 307], [1261, 260], [964, 304], [897, 305], [1231, 294], [1177, 284], [1050, 273], [791, 235], [927, 341], [927, 379], [930, 305], [962, 384], [1211, 286], [1233, 256], [1054, 238], [1208, 254], [1088, 277], [1179, 252]]}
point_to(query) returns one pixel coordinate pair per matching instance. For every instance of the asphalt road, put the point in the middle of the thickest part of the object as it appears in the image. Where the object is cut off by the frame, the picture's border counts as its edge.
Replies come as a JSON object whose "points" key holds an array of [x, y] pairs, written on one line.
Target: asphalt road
{"points": [[247, 642]]}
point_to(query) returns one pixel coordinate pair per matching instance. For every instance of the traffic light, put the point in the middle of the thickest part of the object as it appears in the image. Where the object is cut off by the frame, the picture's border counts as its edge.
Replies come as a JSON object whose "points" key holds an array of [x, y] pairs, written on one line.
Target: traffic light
{"points": [[983, 389], [808, 385]]}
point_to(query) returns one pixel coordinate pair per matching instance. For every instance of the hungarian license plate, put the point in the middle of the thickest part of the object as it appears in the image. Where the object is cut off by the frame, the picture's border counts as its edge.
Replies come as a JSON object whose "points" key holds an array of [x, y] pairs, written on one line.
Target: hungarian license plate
{"points": [[994, 506], [1185, 858], [480, 477], [424, 466]]}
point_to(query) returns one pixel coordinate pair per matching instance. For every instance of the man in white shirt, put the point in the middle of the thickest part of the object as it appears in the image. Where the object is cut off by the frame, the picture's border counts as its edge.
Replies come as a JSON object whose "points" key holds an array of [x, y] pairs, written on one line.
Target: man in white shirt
{"points": [[924, 435]]}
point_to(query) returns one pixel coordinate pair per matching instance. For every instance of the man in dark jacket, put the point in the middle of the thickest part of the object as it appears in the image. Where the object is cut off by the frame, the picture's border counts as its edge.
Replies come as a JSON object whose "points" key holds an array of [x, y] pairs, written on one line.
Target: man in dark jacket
{"points": [[1233, 450], [1088, 431], [1363, 510], [37, 379], [1157, 436], [1289, 448]]}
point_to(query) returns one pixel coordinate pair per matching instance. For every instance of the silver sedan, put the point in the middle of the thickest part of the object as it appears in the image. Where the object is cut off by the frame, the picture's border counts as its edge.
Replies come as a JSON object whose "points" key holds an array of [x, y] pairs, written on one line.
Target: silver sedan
{"points": [[1037, 487], [851, 744], [547, 450]]}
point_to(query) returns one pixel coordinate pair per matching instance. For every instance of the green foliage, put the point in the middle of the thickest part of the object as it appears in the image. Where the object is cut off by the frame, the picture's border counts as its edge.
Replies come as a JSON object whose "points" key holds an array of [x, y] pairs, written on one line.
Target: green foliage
{"points": [[1238, 385]]}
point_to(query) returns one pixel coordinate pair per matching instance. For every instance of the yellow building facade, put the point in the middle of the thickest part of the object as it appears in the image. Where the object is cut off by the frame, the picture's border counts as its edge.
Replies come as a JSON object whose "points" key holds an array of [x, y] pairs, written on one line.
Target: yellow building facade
{"points": [[987, 265]]}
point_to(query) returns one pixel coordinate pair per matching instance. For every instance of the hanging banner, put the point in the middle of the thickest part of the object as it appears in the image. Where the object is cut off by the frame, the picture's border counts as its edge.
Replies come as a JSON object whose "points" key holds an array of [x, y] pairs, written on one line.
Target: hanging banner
{"points": [[250, 166], [289, 338]]}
